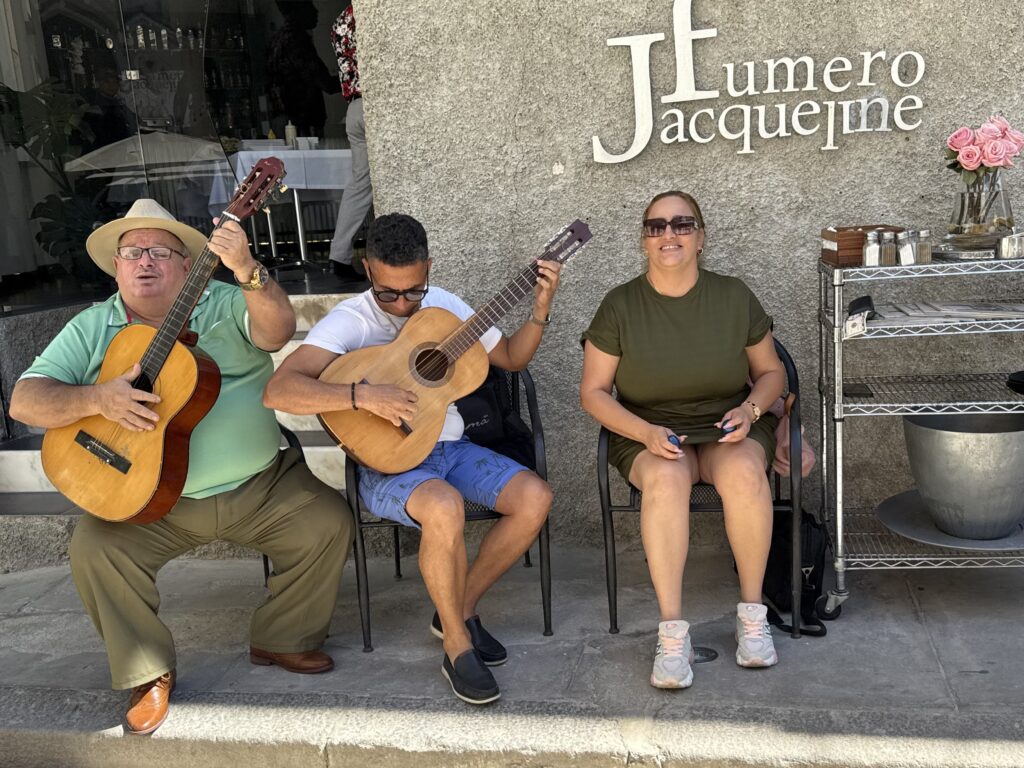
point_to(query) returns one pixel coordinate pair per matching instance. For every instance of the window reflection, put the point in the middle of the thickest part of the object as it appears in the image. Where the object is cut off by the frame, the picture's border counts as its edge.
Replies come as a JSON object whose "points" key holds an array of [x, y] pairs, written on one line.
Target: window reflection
{"points": [[106, 101]]}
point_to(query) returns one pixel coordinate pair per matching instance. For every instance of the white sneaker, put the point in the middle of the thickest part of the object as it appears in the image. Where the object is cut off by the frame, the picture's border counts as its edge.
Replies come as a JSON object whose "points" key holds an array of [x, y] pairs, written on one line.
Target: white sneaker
{"points": [[755, 647], [673, 657]]}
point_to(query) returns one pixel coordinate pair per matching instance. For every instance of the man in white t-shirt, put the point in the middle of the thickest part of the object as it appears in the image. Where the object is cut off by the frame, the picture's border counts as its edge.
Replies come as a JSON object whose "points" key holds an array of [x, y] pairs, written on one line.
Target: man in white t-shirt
{"points": [[430, 496]]}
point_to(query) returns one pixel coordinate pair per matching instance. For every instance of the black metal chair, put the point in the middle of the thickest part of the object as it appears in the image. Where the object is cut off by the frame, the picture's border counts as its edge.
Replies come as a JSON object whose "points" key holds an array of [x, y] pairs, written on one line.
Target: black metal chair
{"points": [[364, 520], [705, 498]]}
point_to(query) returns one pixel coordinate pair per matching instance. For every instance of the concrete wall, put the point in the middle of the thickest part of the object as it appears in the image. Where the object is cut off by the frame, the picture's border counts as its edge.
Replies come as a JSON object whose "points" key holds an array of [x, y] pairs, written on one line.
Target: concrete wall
{"points": [[480, 117], [22, 337]]}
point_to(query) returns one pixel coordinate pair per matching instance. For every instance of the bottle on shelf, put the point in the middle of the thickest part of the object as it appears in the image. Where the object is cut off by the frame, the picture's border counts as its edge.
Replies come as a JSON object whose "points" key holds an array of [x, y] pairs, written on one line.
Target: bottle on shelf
{"points": [[872, 251], [887, 250], [905, 242], [290, 135], [924, 248]]}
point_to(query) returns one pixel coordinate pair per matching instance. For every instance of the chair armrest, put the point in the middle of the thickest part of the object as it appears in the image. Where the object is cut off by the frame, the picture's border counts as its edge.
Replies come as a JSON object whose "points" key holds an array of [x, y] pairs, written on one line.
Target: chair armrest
{"points": [[535, 425], [293, 441], [793, 409], [352, 485]]}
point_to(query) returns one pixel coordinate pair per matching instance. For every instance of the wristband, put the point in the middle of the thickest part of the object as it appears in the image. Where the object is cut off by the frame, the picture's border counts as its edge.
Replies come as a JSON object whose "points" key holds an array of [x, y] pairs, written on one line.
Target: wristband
{"points": [[541, 323], [354, 406]]}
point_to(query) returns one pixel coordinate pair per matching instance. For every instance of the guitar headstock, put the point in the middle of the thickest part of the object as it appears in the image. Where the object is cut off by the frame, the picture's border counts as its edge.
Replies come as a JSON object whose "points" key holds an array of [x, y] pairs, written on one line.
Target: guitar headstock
{"points": [[566, 243], [252, 194]]}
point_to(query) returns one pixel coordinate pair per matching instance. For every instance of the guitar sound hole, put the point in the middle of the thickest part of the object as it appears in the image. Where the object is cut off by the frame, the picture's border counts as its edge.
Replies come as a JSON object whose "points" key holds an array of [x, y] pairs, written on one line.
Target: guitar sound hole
{"points": [[431, 365], [143, 383]]}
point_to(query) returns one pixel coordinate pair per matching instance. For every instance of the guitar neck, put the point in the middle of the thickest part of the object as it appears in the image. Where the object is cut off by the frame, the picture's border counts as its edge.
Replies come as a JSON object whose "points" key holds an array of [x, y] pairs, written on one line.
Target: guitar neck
{"points": [[179, 314], [489, 314], [559, 248]]}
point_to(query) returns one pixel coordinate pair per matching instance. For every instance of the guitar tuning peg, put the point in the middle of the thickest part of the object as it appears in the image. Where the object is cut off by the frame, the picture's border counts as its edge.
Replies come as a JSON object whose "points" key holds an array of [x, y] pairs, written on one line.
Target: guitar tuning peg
{"points": [[283, 188]]}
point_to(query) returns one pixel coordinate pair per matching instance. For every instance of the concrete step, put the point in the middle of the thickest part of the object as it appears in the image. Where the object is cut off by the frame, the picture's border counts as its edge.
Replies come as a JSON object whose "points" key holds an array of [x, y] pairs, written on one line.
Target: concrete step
{"points": [[21, 468], [309, 308], [21, 465]]}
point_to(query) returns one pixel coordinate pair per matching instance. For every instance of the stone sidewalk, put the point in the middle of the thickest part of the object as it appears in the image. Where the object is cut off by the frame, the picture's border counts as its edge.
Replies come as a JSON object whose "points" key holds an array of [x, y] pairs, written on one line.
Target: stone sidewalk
{"points": [[922, 669]]}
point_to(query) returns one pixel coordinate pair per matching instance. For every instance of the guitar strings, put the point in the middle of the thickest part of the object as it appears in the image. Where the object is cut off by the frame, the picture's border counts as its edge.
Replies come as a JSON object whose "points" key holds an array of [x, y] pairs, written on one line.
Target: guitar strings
{"points": [[441, 362], [454, 345]]}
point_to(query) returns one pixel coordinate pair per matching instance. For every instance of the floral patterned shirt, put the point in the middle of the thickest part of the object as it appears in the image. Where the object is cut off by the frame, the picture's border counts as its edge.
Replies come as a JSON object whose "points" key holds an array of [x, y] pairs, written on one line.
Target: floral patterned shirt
{"points": [[343, 38]]}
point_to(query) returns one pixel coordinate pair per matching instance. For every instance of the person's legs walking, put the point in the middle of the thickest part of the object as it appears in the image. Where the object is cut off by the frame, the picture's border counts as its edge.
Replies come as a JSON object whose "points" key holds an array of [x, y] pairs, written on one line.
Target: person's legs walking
{"points": [[358, 195]]}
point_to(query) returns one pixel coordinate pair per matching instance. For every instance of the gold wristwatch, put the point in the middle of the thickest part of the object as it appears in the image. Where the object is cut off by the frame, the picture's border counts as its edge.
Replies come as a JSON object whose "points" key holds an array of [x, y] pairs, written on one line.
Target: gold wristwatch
{"points": [[258, 281], [755, 409]]}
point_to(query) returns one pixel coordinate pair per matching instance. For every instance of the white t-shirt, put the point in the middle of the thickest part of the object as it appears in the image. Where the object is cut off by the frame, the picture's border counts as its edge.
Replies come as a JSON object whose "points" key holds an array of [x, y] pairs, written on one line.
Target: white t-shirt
{"points": [[358, 322]]}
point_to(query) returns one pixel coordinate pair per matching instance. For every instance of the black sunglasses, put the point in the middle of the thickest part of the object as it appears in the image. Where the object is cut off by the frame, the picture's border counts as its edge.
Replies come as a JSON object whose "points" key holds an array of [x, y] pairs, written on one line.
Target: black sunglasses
{"points": [[389, 295], [681, 225]]}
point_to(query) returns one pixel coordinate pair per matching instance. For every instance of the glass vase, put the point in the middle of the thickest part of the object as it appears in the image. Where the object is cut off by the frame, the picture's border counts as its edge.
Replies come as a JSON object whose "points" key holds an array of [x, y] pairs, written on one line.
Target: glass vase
{"points": [[981, 214]]}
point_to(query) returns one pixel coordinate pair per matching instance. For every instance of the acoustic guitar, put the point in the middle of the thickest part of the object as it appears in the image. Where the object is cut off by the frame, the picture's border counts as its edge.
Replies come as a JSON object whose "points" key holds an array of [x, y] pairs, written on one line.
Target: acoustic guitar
{"points": [[124, 476], [436, 356]]}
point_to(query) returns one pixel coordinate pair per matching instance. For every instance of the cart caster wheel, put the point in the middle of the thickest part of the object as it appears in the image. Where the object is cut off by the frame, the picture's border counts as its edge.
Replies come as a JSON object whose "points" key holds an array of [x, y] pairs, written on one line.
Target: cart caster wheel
{"points": [[821, 608]]}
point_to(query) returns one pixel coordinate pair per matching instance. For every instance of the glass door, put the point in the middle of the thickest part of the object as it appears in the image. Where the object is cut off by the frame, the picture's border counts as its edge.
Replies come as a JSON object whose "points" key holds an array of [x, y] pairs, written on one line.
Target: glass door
{"points": [[101, 102]]}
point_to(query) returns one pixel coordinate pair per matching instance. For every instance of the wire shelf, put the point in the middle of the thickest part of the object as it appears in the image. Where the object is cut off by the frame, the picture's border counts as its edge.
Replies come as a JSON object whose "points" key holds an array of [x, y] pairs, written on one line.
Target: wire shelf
{"points": [[870, 545], [880, 328], [935, 269], [876, 329], [931, 394]]}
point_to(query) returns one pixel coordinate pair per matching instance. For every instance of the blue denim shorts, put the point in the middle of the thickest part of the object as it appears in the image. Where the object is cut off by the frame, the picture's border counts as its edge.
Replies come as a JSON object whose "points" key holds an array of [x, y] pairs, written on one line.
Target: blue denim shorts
{"points": [[478, 473]]}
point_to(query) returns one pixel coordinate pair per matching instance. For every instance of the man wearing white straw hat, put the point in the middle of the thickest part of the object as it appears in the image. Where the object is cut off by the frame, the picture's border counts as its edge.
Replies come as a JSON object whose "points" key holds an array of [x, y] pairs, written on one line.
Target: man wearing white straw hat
{"points": [[240, 487]]}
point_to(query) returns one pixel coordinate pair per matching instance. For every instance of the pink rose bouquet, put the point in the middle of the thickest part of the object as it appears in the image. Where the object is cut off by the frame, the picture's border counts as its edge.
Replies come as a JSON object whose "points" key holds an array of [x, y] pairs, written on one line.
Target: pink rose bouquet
{"points": [[975, 153], [979, 155]]}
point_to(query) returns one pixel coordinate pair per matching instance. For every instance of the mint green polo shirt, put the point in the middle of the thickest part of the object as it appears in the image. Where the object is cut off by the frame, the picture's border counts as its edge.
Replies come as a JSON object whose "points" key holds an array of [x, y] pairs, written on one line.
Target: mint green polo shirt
{"points": [[239, 437]]}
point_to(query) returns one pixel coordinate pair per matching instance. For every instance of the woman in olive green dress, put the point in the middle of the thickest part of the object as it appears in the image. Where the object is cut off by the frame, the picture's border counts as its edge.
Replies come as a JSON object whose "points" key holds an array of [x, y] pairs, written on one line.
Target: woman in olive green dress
{"points": [[680, 344]]}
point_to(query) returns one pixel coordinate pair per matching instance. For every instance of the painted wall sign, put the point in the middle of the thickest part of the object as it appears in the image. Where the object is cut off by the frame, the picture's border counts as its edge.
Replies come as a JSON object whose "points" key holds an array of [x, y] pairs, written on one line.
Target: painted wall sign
{"points": [[741, 122]]}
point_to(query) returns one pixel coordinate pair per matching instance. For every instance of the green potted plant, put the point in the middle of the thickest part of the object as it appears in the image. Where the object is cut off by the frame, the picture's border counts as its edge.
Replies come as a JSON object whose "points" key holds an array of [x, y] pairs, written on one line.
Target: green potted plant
{"points": [[48, 123]]}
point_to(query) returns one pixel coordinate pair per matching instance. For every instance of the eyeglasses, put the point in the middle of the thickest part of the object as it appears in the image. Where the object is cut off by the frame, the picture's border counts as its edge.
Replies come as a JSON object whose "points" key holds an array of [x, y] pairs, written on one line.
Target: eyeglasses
{"points": [[389, 295], [681, 225], [156, 252]]}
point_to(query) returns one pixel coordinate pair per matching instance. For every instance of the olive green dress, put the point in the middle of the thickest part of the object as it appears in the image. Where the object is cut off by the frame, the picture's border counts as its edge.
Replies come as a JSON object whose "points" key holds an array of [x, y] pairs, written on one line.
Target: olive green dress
{"points": [[683, 361]]}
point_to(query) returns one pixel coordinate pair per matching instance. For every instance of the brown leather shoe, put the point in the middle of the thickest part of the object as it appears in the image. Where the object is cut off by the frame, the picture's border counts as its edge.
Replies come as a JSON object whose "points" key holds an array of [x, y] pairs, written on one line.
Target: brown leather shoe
{"points": [[305, 663], [147, 707]]}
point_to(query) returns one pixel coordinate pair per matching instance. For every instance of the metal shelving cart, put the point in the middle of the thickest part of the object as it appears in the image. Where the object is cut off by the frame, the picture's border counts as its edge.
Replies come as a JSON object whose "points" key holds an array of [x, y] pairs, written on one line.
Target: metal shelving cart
{"points": [[861, 541]]}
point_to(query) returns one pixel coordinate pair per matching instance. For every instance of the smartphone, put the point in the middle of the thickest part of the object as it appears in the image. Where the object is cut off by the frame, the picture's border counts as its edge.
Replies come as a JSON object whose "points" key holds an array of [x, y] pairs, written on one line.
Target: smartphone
{"points": [[857, 389]]}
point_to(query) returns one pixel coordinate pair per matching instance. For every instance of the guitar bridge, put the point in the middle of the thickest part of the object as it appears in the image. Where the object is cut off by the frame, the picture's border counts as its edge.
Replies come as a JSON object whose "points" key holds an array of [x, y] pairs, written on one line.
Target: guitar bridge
{"points": [[103, 452]]}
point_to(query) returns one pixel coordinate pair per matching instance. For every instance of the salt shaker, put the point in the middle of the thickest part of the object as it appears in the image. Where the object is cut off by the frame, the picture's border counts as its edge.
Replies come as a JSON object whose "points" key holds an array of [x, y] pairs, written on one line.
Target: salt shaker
{"points": [[905, 247], [872, 252]]}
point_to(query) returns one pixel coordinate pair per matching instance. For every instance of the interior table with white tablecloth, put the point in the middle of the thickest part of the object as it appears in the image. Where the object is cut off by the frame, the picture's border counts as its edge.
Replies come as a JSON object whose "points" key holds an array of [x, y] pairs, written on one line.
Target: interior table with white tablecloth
{"points": [[304, 168]]}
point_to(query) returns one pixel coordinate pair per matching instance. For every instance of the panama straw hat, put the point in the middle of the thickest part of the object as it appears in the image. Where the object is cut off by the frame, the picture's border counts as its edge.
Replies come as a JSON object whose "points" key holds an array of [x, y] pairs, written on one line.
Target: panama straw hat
{"points": [[144, 214]]}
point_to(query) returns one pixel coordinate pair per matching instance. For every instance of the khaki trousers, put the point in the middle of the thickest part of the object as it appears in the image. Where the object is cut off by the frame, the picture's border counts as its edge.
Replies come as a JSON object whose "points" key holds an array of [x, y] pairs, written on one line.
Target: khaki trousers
{"points": [[301, 524]]}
